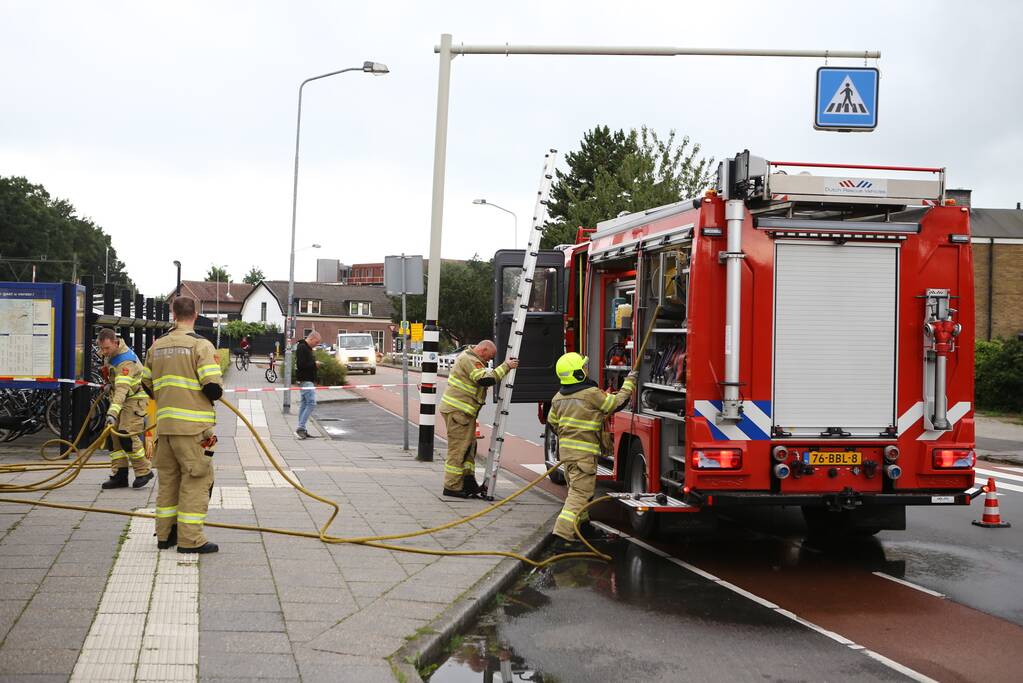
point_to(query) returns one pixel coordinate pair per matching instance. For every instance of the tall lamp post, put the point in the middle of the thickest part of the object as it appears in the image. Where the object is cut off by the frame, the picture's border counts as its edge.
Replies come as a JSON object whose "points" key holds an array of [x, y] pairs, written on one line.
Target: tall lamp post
{"points": [[177, 287], [289, 322], [218, 300], [515, 235]]}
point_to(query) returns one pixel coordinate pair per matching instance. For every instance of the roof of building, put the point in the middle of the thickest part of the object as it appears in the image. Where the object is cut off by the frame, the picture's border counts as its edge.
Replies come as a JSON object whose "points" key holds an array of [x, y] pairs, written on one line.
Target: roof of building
{"points": [[334, 297], [208, 291], [996, 222]]}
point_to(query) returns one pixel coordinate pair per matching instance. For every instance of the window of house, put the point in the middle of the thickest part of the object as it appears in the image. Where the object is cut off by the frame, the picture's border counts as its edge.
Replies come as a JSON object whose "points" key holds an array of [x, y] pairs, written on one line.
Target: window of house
{"points": [[306, 332], [262, 312], [359, 308], [309, 306], [378, 339]]}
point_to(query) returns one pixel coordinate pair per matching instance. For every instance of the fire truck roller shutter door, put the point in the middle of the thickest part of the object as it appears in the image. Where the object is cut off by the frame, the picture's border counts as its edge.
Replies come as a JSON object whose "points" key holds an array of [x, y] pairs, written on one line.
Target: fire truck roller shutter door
{"points": [[835, 337]]}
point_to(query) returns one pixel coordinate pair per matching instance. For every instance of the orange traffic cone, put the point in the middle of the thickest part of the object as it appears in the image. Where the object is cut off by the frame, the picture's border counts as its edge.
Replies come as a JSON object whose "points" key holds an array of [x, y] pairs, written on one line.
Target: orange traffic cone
{"points": [[992, 518], [479, 434]]}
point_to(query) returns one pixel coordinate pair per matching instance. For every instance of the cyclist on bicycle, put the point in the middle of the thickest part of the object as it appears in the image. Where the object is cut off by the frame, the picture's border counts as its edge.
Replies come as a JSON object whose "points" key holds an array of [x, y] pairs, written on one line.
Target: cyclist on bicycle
{"points": [[246, 346]]}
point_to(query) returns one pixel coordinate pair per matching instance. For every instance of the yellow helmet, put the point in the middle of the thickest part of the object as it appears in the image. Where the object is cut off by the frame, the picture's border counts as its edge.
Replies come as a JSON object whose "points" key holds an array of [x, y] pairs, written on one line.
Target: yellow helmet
{"points": [[571, 368]]}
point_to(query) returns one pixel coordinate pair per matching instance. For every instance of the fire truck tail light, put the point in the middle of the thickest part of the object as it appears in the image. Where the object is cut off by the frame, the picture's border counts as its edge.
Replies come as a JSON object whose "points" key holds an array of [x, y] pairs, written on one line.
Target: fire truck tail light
{"points": [[954, 458], [780, 454], [891, 453], [717, 459]]}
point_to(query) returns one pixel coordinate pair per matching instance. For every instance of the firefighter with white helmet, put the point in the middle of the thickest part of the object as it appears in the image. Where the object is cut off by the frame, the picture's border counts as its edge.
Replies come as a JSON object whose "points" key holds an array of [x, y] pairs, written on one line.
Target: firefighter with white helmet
{"points": [[577, 416]]}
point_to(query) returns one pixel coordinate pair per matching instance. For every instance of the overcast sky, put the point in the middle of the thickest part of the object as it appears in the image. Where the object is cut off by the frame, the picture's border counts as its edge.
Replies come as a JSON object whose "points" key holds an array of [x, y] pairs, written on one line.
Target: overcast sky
{"points": [[172, 124]]}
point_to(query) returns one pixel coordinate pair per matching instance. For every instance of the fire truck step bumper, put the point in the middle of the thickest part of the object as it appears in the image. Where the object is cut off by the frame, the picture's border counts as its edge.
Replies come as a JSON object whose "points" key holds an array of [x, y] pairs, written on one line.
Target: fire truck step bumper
{"points": [[730, 498], [655, 502]]}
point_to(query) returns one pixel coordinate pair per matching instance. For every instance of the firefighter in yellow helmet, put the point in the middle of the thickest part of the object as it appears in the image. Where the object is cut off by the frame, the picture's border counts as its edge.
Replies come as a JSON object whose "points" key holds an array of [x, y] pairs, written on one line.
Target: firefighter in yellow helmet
{"points": [[185, 376], [460, 405], [577, 416], [127, 412]]}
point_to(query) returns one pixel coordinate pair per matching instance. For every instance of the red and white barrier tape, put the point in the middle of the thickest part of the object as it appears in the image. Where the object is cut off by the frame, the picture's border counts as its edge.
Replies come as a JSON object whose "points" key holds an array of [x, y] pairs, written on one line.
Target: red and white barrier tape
{"points": [[247, 390], [237, 390], [51, 380]]}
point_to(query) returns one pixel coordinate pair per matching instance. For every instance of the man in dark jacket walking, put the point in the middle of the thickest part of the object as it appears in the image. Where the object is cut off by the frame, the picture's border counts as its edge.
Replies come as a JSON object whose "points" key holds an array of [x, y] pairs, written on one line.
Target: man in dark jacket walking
{"points": [[305, 375]]}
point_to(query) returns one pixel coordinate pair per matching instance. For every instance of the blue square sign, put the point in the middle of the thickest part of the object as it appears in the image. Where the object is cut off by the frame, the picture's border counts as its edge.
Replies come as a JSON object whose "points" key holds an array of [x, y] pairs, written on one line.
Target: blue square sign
{"points": [[846, 99]]}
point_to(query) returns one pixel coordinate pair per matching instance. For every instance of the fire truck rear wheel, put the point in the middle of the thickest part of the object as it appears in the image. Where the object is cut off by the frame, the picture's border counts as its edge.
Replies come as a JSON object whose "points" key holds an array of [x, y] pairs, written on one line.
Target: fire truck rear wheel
{"points": [[550, 455], [643, 523]]}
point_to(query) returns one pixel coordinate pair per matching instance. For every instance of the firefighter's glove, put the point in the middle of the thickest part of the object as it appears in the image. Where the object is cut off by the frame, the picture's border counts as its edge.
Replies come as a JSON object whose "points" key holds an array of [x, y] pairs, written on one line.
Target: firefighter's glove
{"points": [[208, 444], [212, 391]]}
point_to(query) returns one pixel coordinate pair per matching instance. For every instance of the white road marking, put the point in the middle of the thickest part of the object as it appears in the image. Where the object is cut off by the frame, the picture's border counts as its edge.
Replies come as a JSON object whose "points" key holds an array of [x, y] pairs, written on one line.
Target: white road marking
{"points": [[1003, 486], [533, 467], [904, 670], [147, 627], [532, 442], [909, 584], [996, 473]]}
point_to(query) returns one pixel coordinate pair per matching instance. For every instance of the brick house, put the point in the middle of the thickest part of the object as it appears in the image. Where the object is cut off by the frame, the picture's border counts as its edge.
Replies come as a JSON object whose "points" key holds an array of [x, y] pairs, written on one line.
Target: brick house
{"points": [[215, 298], [997, 266], [366, 274], [326, 307]]}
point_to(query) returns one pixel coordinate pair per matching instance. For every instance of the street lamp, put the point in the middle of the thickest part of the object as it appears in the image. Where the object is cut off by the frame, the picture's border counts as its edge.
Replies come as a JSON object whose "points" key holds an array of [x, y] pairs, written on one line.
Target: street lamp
{"points": [[218, 269], [376, 69], [177, 287], [515, 235]]}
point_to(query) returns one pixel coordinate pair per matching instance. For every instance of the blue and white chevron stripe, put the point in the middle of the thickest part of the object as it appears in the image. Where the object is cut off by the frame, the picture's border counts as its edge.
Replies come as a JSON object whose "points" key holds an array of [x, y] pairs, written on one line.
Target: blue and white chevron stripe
{"points": [[755, 424]]}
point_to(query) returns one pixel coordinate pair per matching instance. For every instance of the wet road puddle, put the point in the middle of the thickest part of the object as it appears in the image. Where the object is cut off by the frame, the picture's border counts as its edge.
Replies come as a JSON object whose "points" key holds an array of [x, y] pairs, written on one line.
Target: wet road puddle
{"points": [[640, 618]]}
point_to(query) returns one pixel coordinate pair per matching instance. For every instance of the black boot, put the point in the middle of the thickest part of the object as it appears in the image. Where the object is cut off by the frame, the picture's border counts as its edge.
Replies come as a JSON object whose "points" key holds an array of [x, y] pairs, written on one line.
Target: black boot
{"points": [[172, 539], [143, 480], [469, 485], [563, 545], [117, 480], [456, 494], [206, 547]]}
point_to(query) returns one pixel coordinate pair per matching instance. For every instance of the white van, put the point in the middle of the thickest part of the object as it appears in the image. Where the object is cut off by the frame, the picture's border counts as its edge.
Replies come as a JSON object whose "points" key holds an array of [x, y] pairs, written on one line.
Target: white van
{"points": [[356, 351]]}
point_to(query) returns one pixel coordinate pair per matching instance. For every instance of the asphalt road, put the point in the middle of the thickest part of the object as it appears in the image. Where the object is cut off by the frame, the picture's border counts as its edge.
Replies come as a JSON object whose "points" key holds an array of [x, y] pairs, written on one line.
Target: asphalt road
{"points": [[942, 599]]}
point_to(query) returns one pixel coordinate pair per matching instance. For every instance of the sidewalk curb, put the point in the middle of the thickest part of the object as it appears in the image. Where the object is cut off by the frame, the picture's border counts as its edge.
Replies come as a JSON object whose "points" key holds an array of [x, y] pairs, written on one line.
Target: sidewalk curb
{"points": [[429, 647], [441, 372], [353, 398], [1002, 459]]}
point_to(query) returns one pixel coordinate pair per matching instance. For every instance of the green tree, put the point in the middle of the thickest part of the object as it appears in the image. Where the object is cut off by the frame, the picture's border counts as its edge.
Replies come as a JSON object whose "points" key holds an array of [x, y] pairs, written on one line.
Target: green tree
{"points": [[254, 276], [218, 274], [48, 232], [615, 172], [466, 301]]}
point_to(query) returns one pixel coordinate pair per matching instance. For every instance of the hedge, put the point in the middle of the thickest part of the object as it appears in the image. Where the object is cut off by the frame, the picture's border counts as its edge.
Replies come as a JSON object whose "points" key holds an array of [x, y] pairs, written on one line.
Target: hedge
{"points": [[999, 375]]}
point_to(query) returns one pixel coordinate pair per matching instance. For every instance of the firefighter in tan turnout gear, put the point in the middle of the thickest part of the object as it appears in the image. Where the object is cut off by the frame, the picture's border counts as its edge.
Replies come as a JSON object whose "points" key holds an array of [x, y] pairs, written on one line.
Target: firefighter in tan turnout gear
{"points": [[577, 417], [127, 412], [460, 405], [183, 371]]}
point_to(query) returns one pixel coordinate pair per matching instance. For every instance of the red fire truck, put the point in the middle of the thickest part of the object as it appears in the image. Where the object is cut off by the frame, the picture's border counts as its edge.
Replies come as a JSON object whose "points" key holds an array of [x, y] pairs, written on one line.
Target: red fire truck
{"points": [[811, 344]]}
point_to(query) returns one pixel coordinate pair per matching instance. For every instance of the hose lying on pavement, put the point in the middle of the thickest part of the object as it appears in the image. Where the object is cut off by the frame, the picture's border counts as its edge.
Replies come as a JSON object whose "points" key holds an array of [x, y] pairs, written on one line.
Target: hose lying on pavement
{"points": [[69, 472]]}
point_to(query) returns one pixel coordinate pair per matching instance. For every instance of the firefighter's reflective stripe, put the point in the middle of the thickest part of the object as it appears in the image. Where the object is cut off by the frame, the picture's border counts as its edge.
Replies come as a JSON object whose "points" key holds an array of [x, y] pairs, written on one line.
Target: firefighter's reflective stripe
{"points": [[587, 425], [186, 415], [552, 418], [171, 511], [140, 453], [468, 388], [460, 405], [114, 409], [479, 373], [176, 381], [453, 469], [568, 516], [191, 517], [469, 467], [576, 445], [117, 455], [210, 370], [139, 394], [147, 373]]}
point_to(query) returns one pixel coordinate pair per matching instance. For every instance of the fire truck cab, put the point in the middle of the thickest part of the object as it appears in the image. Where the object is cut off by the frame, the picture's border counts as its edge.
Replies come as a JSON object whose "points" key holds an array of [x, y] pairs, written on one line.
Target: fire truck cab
{"points": [[803, 340]]}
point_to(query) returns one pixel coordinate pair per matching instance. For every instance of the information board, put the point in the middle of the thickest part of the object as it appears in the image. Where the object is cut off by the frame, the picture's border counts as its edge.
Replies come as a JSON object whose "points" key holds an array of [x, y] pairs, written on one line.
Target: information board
{"points": [[28, 331]]}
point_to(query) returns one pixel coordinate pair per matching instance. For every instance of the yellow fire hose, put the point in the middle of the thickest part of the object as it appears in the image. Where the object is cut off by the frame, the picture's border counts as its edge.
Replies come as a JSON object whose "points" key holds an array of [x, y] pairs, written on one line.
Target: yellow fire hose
{"points": [[69, 472]]}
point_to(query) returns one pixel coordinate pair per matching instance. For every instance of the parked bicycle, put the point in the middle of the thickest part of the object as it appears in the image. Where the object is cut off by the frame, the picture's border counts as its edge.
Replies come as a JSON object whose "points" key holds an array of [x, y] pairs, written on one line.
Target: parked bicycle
{"points": [[271, 372]]}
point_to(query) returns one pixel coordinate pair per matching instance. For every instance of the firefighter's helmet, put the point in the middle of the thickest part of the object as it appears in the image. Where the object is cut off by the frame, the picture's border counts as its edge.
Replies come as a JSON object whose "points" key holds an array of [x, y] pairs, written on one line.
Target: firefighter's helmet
{"points": [[571, 368]]}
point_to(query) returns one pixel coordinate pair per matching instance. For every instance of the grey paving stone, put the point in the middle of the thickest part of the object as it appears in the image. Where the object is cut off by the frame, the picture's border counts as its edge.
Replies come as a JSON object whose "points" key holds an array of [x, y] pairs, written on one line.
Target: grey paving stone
{"points": [[38, 637], [329, 667], [300, 631], [236, 642], [239, 603], [319, 612], [237, 586], [87, 598], [425, 592], [248, 665], [80, 569], [354, 641], [33, 678], [291, 593], [223, 620], [40, 615]]}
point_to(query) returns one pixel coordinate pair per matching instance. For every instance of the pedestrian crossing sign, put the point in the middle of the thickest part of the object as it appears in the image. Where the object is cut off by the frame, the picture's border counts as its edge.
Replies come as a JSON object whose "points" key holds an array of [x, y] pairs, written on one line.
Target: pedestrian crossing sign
{"points": [[846, 99]]}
